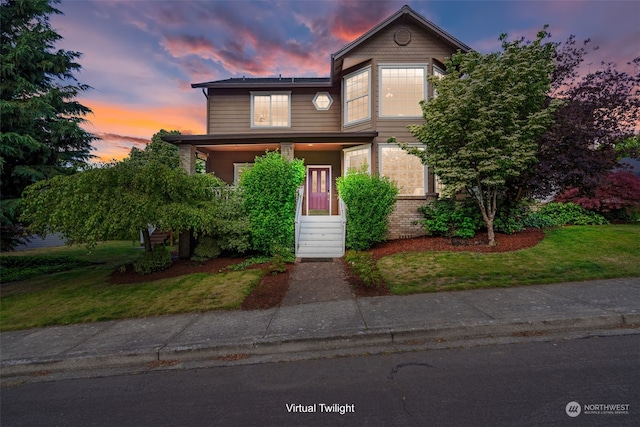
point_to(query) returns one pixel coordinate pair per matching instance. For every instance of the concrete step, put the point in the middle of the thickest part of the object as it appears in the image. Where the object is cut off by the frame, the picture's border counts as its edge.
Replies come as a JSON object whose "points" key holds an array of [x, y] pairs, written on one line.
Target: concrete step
{"points": [[319, 226], [319, 252], [320, 237], [320, 243], [321, 219], [336, 237]]}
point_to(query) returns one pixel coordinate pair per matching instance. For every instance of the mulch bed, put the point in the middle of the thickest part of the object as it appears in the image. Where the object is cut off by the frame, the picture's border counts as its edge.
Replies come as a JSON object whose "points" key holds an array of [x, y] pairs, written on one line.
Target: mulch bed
{"points": [[505, 243], [272, 288]]}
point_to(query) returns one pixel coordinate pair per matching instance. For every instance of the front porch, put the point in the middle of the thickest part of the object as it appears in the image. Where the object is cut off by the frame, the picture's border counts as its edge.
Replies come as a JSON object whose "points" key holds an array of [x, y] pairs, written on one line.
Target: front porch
{"points": [[319, 236]]}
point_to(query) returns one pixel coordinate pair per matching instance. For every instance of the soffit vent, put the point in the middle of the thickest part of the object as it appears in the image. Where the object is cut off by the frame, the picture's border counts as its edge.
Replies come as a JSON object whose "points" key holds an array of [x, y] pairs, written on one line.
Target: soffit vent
{"points": [[402, 37]]}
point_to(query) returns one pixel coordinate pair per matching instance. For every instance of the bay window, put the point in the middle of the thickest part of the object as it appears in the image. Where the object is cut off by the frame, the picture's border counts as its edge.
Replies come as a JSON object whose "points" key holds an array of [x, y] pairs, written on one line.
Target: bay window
{"points": [[357, 100]]}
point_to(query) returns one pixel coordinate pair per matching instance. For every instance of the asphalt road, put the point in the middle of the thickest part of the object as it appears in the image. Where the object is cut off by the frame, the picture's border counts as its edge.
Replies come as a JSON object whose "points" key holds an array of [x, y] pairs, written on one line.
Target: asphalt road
{"points": [[527, 384]]}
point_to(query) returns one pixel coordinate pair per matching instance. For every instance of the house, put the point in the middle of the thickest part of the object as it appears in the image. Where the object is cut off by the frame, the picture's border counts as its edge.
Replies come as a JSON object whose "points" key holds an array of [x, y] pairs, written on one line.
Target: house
{"points": [[334, 123]]}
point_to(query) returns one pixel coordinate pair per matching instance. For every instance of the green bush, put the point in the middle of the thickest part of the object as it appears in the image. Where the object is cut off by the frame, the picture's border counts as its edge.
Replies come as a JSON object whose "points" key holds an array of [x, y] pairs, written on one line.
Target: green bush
{"points": [[451, 218], [363, 266], [511, 219], [559, 214], [157, 260], [231, 226], [206, 249], [14, 268], [269, 190], [370, 201]]}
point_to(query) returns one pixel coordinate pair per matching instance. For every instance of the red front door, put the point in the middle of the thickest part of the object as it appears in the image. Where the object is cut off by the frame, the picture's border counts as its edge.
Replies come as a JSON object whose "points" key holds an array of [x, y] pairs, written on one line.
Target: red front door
{"points": [[318, 189]]}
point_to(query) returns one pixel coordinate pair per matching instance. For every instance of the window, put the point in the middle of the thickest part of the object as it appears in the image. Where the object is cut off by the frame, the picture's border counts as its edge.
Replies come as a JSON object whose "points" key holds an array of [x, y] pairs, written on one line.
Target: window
{"points": [[355, 158], [439, 186], [437, 72], [270, 109], [357, 104], [322, 101], [406, 170], [238, 170], [401, 90]]}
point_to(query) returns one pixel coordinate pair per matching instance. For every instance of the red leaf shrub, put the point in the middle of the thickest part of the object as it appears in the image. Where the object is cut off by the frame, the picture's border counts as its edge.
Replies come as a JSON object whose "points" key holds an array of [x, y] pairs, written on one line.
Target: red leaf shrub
{"points": [[620, 191]]}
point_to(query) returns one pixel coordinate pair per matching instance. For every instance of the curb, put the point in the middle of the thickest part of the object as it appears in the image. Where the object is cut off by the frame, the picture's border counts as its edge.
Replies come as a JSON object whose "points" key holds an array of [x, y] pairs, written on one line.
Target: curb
{"points": [[276, 349]]}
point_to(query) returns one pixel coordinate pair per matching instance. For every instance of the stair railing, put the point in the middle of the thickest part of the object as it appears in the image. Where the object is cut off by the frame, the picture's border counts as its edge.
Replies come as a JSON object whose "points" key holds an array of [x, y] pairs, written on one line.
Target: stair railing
{"points": [[343, 220], [298, 219]]}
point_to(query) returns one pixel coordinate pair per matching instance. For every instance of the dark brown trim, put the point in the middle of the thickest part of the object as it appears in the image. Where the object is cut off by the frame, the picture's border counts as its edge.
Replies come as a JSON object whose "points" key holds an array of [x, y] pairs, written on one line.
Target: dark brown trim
{"points": [[262, 138]]}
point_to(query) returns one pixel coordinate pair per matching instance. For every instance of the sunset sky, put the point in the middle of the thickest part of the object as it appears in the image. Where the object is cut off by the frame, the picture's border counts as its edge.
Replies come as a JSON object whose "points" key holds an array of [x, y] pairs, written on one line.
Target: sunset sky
{"points": [[141, 56]]}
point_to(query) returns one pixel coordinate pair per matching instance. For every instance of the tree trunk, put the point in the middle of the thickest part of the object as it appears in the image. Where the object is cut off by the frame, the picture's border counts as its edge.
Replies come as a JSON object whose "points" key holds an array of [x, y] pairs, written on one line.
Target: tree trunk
{"points": [[146, 238], [490, 234]]}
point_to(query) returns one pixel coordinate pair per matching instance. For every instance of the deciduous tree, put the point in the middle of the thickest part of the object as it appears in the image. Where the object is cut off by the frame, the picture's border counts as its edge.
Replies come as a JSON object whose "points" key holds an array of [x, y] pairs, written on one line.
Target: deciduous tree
{"points": [[593, 127], [124, 198], [481, 129]]}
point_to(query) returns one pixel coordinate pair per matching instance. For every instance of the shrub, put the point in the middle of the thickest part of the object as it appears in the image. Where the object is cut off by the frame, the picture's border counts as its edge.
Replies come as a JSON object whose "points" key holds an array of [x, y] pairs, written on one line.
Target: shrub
{"points": [[231, 227], [363, 266], [370, 201], [269, 190], [451, 218], [512, 218], [277, 265], [206, 249], [618, 197], [157, 260], [14, 268], [559, 214]]}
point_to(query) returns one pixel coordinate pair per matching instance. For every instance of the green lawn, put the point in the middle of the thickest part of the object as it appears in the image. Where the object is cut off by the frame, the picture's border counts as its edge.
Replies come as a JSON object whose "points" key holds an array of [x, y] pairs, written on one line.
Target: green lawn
{"points": [[566, 254], [84, 294]]}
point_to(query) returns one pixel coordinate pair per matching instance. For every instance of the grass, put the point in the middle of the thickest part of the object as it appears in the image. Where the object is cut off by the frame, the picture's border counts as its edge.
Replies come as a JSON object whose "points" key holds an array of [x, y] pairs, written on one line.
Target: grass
{"points": [[566, 254], [84, 294]]}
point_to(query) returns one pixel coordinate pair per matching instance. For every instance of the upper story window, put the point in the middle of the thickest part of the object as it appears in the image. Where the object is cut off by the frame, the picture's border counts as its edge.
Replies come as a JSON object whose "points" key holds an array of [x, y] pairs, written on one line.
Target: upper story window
{"points": [[439, 73], [322, 101], [401, 90], [270, 109], [357, 99]]}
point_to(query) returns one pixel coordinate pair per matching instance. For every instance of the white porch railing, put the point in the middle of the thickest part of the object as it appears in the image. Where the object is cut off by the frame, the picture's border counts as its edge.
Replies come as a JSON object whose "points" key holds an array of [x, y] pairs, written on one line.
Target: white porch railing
{"points": [[298, 218], [343, 217], [225, 192]]}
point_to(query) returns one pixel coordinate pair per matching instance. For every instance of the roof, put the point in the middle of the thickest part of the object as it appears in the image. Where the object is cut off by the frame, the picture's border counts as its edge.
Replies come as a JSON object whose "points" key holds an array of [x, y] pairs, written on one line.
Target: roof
{"points": [[336, 58], [267, 82]]}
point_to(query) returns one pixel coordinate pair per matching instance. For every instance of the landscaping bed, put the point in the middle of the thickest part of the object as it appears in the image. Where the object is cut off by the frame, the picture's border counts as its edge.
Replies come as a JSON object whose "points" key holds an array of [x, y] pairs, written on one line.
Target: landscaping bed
{"points": [[505, 243], [268, 293], [272, 288]]}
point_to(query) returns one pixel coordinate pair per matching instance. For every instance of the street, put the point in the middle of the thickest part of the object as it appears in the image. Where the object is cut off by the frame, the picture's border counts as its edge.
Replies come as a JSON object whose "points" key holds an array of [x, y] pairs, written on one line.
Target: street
{"points": [[524, 384]]}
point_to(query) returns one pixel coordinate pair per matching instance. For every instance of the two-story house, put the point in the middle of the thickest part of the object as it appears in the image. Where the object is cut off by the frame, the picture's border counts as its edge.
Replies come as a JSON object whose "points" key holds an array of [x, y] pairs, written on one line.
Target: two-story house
{"points": [[333, 123]]}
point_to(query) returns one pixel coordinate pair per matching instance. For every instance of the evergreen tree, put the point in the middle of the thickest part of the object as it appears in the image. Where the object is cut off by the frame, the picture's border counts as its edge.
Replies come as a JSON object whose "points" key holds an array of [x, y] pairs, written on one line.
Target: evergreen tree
{"points": [[40, 133]]}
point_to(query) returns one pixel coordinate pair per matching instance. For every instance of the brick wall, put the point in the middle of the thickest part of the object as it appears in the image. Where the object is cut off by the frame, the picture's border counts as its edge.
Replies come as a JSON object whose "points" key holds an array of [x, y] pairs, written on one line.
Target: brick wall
{"points": [[404, 214]]}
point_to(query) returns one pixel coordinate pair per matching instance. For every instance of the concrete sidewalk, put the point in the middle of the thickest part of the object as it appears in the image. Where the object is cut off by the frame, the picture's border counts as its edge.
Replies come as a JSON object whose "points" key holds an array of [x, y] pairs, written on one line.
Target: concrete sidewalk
{"points": [[345, 326]]}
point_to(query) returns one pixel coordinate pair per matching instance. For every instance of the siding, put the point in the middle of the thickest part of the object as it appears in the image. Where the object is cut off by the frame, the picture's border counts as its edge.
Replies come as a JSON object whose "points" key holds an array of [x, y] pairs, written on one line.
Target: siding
{"points": [[423, 48], [221, 162], [230, 111]]}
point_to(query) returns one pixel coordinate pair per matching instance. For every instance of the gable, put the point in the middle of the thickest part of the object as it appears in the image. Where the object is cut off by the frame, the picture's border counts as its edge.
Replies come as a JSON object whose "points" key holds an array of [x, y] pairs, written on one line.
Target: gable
{"points": [[401, 36]]}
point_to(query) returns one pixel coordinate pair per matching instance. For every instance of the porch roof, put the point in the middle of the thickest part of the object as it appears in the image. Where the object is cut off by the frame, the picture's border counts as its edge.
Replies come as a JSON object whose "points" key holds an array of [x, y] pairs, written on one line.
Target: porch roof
{"points": [[272, 137]]}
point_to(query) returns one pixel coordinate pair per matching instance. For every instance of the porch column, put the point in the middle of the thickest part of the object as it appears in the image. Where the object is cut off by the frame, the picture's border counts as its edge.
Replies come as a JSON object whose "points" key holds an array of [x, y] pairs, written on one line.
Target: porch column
{"points": [[286, 149], [188, 158], [188, 162]]}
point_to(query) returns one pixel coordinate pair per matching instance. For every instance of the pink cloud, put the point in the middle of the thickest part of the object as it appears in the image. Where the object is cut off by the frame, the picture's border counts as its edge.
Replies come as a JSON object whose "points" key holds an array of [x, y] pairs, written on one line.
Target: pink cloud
{"points": [[353, 18]]}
